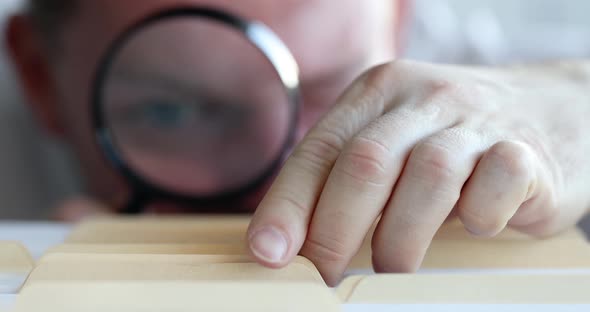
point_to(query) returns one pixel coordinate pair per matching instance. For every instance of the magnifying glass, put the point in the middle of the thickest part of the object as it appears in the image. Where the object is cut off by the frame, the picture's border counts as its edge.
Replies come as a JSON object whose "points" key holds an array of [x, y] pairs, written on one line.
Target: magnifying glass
{"points": [[195, 106]]}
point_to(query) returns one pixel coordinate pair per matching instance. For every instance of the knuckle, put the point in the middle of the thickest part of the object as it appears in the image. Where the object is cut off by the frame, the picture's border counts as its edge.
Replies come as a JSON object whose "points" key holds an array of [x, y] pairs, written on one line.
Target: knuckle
{"points": [[380, 73], [540, 209], [300, 208], [480, 225], [383, 76], [513, 158], [365, 160], [318, 152], [546, 219], [454, 89], [547, 209], [442, 91], [431, 162], [403, 66]]}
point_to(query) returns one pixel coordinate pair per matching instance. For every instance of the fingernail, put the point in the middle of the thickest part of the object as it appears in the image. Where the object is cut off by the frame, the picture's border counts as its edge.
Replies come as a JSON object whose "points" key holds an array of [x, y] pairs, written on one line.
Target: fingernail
{"points": [[269, 244]]}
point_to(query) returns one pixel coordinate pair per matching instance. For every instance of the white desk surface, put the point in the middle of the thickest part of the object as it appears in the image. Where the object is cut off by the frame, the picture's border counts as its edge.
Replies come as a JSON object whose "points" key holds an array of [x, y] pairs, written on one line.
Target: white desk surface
{"points": [[36, 237]]}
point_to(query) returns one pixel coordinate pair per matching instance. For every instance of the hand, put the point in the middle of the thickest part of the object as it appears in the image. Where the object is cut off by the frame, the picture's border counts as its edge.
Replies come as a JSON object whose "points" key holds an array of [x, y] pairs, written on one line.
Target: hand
{"points": [[409, 144]]}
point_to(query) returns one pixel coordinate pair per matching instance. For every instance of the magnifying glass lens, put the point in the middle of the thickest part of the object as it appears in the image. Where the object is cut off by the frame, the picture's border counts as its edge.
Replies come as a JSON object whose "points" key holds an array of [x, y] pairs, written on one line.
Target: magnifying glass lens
{"points": [[194, 108]]}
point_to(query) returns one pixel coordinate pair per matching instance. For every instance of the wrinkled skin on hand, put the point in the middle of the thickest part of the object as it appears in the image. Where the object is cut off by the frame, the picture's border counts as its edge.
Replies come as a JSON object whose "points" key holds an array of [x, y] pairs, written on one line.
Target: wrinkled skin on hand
{"points": [[409, 145]]}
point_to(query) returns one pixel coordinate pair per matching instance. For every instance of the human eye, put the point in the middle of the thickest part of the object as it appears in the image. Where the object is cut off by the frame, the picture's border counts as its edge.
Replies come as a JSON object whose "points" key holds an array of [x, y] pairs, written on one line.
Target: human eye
{"points": [[163, 114]]}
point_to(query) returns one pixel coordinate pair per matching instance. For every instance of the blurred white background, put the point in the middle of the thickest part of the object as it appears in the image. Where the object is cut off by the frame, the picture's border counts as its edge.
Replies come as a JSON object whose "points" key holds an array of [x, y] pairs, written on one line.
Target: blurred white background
{"points": [[496, 32], [36, 172]]}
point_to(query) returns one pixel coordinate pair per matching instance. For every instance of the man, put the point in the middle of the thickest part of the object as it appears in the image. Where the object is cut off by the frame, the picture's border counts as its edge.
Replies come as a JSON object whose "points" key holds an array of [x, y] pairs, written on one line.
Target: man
{"points": [[407, 144]]}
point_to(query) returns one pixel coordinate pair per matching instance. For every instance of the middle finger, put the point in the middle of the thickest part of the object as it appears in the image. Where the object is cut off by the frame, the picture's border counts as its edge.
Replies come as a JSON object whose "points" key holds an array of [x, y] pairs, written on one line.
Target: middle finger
{"points": [[359, 186], [426, 193]]}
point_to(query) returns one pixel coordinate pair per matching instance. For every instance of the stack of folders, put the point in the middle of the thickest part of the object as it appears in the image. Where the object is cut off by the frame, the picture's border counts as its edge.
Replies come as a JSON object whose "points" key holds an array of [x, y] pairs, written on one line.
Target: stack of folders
{"points": [[182, 265]]}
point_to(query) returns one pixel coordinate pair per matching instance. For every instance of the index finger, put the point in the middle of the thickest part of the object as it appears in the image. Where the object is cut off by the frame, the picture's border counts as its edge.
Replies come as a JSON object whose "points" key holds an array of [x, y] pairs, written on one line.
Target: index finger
{"points": [[279, 227]]}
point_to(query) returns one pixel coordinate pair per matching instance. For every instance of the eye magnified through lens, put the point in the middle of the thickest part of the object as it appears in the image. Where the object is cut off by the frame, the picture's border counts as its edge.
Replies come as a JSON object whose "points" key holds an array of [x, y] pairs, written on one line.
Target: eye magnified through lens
{"points": [[195, 105]]}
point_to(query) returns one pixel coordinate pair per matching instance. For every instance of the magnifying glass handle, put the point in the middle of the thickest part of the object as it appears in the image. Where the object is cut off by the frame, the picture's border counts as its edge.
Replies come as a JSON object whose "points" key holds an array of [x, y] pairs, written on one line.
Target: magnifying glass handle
{"points": [[136, 205]]}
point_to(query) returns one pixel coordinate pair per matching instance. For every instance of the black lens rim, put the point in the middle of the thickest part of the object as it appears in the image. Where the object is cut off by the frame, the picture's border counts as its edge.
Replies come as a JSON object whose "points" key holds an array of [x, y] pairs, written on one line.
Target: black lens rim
{"points": [[144, 191]]}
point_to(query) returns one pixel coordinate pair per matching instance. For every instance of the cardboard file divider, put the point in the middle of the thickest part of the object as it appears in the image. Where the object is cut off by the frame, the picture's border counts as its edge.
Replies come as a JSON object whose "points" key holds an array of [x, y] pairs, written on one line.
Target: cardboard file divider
{"points": [[159, 282], [145, 267], [170, 249], [15, 265], [176, 296], [161, 230], [201, 264], [556, 288], [452, 247]]}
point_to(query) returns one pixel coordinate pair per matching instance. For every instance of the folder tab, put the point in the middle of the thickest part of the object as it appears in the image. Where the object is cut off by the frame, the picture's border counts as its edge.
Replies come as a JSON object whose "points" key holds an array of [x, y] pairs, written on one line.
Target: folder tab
{"points": [[15, 265], [145, 267], [157, 296], [170, 249], [572, 288], [161, 230]]}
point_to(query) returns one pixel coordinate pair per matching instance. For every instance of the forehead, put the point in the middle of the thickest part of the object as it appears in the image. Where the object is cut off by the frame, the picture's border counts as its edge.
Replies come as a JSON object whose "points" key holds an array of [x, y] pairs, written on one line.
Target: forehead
{"points": [[324, 35]]}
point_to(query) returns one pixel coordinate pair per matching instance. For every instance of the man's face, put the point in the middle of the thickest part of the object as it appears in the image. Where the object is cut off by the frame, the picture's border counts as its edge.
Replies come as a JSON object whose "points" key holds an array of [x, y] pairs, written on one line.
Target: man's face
{"points": [[332, 41]]}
